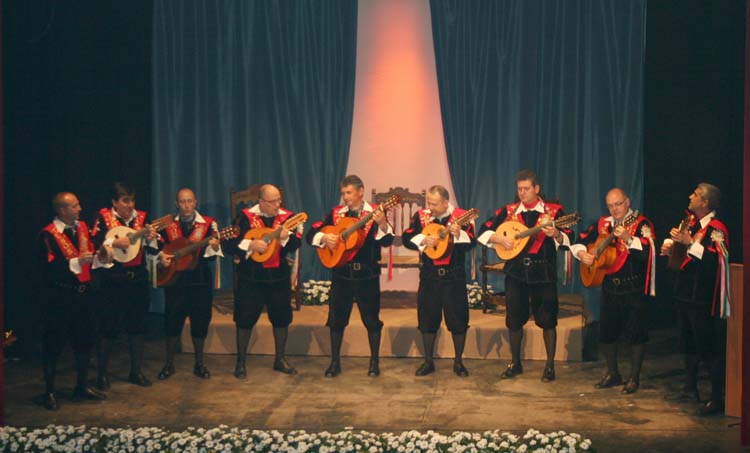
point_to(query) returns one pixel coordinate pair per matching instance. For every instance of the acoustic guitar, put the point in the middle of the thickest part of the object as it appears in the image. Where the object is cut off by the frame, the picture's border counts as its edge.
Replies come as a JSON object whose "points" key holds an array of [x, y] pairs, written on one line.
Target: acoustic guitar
{"points": [[351, 237], [135, 237], [679, 250], [185, 255], [271, 236], [444, 246], [605, 255], [520, 233]]}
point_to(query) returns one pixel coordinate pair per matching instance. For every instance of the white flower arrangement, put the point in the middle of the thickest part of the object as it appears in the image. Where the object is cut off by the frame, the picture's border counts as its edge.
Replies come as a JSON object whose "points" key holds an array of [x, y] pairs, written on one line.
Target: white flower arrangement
{"points": [[474, 291], [230, 440], [315, 292]]}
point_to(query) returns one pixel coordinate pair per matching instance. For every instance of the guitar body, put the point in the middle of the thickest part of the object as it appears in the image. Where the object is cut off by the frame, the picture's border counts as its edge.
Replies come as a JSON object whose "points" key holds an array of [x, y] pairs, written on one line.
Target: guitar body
{"points": [[257, 234], [511, 229], [444, 247], [167, 276], [338, 256], [592, 276], [124, 256], [677, 257]]}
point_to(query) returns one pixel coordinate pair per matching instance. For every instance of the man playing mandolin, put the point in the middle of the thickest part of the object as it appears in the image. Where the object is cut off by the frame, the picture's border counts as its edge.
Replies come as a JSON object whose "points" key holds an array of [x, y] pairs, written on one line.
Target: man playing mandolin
{"points": [[531, 276], [359, 276], [192, 293], [628, 281], [124, 296], [267, 282], [701, 290], [442, 279]]}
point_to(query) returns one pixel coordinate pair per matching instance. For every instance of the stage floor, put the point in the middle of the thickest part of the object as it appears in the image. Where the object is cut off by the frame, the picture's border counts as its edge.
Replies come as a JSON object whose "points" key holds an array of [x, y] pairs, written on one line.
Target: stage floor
{"points": [[395, 401], [487, 337]]}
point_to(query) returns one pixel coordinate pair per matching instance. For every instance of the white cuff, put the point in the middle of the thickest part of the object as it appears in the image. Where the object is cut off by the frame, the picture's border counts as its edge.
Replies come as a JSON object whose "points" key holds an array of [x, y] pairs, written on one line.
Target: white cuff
{"points": [[575, 248], [635, 243], [244, 245], [484, 238], [211, 252], [316, 240], [381, 234], [565, 242], [98, 264], [696, 249], [417, 240], [668, 241], [463, 238], [283, 242], [74, 266], [108, 242]]}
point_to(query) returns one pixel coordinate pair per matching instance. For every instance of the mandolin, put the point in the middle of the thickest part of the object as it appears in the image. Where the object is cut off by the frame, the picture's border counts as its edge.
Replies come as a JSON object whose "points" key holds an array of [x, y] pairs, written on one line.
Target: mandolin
{"points": [[604, 253], [444, 246], [271, 236], [679, 250], [185, 255], [350, 235], [520, 233], [136, 238]]}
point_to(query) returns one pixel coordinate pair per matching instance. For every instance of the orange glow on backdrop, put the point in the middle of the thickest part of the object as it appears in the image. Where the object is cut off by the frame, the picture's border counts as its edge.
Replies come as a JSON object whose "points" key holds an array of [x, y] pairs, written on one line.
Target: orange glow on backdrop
{"points": [[397, 130]]}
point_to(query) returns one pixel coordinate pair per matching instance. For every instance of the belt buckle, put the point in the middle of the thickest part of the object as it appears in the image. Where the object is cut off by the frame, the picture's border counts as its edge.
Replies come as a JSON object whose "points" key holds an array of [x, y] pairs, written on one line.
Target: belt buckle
{"points": [[526, 261], [616, 281], [441, 271], [130, 275], [356, 267], [82, 289]]}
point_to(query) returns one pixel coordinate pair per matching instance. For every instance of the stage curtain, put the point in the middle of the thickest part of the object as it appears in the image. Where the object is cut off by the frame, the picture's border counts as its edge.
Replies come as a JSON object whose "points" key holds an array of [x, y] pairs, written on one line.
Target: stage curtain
{"points": [[252, 92], [554, 86]]}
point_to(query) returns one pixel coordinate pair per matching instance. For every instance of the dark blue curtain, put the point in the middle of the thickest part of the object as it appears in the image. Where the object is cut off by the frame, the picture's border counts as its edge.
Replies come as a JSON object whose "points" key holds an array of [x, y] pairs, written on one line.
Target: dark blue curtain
{"points": [[252, 92], [555, 86]]}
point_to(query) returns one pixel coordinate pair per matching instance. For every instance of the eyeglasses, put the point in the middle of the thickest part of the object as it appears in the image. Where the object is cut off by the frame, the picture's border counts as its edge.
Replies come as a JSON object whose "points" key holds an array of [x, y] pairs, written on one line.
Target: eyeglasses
{"points": [[616, 204], [275, 201]]}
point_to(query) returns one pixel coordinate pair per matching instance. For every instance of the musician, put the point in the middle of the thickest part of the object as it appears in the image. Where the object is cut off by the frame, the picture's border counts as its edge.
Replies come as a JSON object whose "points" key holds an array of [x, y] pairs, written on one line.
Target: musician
{"points": [[192, 294], [359, 278], [264, 284], [701, 290], [442, 282], [124, 297], [65, 253], [626, 287], [531, 277]]}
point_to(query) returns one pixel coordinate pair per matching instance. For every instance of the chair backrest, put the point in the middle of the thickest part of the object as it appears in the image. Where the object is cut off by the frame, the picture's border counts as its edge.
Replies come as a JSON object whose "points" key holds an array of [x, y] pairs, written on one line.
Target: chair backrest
{"points": [[245, 198], [400, 216]]}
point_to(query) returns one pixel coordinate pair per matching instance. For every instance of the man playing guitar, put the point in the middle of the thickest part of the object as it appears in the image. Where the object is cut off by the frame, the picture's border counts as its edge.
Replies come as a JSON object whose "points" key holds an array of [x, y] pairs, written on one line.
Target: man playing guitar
{"points": [[531, 277], [359, 277]]}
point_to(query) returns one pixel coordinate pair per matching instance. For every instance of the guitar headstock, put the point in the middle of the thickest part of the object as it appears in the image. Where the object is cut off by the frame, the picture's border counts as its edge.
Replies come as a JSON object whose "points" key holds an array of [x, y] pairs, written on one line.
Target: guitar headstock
{"points": [[390, 202], [630, 218], [229, 232], [568, 220], [163, 222], [295, 220], [469, 215]]}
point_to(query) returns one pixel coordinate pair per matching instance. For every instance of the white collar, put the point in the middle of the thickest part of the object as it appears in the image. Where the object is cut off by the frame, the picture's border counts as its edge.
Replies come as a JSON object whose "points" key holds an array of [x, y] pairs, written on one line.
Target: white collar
{"points": [[538, 208], [133, 215], [707, 218], [60, 225], [256, 210], [198, 218], [366, 207]]}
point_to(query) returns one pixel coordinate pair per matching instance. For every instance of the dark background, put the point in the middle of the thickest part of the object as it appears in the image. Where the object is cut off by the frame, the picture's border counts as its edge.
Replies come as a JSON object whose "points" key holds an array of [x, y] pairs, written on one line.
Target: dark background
{"points": [[77, 116]]}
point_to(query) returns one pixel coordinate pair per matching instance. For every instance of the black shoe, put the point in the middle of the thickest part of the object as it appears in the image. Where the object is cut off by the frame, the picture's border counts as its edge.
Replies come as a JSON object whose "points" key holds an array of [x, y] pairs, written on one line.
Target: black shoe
{"points": [[201, 371], [686, 395], [139, 379], [513, 370], [334, 369], [87, 393], [631, 386], [102, 382], [240, 372], [609, 380], [712, 407], [166, 372], [283, 366], [425, 368], [50, 402], [374, 369], [460, 370], [548, 375]]}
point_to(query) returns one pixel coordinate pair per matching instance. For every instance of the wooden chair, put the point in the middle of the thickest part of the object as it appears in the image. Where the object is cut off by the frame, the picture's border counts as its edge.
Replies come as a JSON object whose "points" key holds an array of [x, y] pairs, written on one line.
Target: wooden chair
{"points": [[399, 217], [246, 198], [485, 268]]}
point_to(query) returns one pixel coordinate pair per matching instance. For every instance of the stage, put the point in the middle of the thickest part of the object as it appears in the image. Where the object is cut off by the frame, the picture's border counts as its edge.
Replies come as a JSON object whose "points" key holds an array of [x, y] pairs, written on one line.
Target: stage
{"points": [[487, 337]]}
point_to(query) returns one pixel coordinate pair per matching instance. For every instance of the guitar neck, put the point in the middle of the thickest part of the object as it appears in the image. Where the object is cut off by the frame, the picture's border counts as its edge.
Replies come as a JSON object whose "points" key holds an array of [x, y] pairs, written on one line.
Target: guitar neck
{"points": [[563, 222], [193, 247], [360, 223]]}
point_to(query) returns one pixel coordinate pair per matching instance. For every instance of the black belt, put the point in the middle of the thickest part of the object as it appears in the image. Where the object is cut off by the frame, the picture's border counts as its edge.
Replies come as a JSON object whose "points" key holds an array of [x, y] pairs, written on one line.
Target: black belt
{"points": [[623, 281], [125, 276], [442, 272], [527, 261], [356, 270], [82, 288]]}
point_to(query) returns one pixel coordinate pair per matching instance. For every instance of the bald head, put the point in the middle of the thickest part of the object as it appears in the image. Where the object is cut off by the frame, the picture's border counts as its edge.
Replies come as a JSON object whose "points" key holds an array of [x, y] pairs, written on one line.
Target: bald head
{"points": [[66, 207], [618, 203], [269, 199], [186, 202]]}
